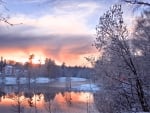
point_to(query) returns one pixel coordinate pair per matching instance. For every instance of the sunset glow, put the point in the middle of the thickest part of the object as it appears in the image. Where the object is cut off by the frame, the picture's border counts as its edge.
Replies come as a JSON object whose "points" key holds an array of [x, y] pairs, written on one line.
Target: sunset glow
{"points": [[74, 56], [69, 59], [63, 31]]}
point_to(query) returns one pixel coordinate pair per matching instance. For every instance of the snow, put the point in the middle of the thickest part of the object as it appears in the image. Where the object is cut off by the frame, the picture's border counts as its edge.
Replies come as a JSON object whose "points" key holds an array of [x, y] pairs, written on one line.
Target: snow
{"points": [[73, 79], [10, 80], [87, 87], [79, 84], [23, 80], [42, 80], [61, 79]]}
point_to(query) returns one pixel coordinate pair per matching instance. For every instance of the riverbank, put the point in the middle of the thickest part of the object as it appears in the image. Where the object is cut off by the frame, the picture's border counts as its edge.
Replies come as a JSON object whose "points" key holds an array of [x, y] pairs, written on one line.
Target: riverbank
{"points": [[63, 83]]}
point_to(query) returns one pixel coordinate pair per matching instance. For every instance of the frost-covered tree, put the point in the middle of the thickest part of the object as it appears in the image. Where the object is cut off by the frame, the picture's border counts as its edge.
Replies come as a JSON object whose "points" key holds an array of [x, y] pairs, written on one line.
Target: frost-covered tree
{"points": [[118, 63], [141, 48], [138, 2]]}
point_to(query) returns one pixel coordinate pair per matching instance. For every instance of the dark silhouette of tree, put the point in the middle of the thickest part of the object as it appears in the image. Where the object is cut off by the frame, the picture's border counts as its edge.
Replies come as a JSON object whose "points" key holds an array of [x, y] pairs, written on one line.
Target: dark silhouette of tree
{"points": [[31, 57], [63, 67], [2, 64], [4, 18], [29, 66], [52, 69]]}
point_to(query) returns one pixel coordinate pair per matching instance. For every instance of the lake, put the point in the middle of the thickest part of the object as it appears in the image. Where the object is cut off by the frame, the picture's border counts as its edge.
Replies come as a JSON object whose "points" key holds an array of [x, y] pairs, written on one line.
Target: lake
{"points": [[48, 98]]}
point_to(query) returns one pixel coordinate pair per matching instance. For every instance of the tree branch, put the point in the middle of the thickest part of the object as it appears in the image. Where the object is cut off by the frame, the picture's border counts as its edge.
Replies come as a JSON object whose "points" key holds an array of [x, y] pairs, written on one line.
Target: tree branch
{"points": [[137, 2]]}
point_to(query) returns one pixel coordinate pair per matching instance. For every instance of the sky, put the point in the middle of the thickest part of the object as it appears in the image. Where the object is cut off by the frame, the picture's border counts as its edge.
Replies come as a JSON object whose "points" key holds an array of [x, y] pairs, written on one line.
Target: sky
{"points": [[63, 30]]}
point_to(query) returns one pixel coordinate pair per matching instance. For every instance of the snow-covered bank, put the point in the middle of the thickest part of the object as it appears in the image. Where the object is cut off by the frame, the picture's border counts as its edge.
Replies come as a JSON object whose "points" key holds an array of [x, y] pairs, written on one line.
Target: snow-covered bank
{"points": [[24, 80], [79, 84], [73, 79], [10, 80], [87, 87]]}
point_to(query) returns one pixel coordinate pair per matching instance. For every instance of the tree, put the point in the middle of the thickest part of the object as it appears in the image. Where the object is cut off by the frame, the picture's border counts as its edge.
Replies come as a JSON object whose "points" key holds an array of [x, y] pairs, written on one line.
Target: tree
{"points": [[52, 70], [63, 67], [4, 18], [2, 64], [137, 2], [141, 48], [29, 66], [18, 98], [139, 5], [31, 57], [118, 59]]}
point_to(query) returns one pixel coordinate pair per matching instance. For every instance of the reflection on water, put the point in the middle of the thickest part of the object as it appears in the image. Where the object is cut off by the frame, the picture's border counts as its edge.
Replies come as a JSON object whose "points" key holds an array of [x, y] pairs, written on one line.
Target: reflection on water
{"points": [[49, 102]]}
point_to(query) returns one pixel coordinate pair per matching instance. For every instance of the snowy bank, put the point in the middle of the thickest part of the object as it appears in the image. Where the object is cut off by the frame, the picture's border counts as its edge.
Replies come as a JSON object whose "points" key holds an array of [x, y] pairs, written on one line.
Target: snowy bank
{"points": [[73, 79], [86, 87]]}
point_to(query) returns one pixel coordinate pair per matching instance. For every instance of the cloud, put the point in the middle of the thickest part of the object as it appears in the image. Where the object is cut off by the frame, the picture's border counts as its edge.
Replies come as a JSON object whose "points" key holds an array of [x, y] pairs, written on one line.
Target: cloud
{"points": [[54, 43], [50, 24], [59, 16], [67, 48], [62, 31], [79, 7]]}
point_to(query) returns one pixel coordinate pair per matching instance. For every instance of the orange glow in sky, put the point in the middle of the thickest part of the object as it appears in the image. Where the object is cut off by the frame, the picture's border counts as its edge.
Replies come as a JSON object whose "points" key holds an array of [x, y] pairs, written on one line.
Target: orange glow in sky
{"points": [[40, 56], [21, 56], [64, 30]]}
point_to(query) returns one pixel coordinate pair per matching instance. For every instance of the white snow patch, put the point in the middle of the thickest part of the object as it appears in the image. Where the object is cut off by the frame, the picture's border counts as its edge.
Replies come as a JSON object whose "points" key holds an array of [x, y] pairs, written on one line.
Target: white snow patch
{"points": [[23, 80], [42, 80], [31, 80], [73, 79], [87, 87], [10, 80], [62, 79]]}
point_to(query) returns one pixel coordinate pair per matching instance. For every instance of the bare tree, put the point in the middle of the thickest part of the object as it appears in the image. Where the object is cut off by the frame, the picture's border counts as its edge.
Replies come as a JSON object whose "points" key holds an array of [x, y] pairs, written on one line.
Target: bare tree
{"points": [[2, 65], [18, 98], [137, 2], [141, 48], [29, 66], [113, 42], [3, 16]]}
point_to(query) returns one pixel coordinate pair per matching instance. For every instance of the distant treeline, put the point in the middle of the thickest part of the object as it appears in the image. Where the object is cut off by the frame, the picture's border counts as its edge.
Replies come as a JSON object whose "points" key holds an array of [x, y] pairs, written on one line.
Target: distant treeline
{"points": [[48, 69]]}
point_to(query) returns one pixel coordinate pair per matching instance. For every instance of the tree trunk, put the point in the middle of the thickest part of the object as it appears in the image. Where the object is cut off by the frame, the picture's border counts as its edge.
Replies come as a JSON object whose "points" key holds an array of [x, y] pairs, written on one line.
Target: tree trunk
{"points": [[141, 96]]}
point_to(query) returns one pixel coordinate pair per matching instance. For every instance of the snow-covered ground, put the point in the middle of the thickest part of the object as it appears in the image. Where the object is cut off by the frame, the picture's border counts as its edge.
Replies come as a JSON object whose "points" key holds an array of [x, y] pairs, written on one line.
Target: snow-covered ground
{"points": [[79, 84], [10, 80], [43, 80], [23, 80], [86, 87], [73, 79]]}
